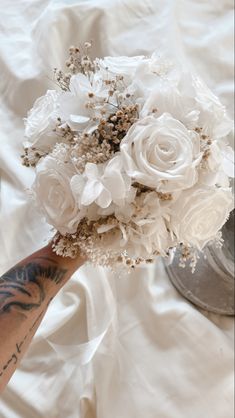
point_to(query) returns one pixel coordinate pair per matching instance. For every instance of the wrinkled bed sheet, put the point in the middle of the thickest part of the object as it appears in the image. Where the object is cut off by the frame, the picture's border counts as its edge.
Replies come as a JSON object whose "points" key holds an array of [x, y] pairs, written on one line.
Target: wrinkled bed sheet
{"points": [[111, 345]]}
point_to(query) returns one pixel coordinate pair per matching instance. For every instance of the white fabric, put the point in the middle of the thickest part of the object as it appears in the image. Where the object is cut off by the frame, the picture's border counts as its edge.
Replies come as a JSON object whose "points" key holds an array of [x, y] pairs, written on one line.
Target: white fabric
{"points": [[110, 346]]}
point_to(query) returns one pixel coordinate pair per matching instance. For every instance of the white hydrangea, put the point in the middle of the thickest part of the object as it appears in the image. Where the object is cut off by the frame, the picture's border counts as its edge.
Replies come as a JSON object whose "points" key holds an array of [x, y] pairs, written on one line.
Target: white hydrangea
{"points": [[105, 184]]}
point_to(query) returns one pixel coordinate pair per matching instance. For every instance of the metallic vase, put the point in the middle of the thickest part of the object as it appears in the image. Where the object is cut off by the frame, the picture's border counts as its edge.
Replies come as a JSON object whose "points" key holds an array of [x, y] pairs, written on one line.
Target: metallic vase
{"points": [[211, 286]]}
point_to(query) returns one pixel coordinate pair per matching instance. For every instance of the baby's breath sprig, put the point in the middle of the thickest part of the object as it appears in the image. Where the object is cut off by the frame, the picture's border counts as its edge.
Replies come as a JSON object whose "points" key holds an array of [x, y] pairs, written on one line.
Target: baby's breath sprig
{"points": [[101, 145], [79, 61], [31, 156], [188, 255], [88, 149], [114, 129], [205, 143], [62, 79], [63, 131], [93, 245]]}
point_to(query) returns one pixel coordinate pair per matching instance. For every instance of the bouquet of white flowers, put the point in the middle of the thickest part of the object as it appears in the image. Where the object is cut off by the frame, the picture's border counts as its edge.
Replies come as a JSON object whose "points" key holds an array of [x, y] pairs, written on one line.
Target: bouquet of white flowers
{"points": [[132, 159]]}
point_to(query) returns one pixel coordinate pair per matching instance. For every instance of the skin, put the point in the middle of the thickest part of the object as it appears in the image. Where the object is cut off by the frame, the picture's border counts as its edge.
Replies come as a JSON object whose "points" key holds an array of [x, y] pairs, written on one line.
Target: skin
{"points": [[26, 291]]}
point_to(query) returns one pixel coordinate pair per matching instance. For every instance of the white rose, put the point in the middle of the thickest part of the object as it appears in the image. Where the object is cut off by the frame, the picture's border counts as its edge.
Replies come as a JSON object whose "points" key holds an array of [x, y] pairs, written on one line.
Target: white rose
{"points": [[105, 184], [54, 195], [161, 153], [213, 117], [187, 98], [41, 119], [200, 213], [150, 74], [150, 70], [167, 98], [147, 232]]}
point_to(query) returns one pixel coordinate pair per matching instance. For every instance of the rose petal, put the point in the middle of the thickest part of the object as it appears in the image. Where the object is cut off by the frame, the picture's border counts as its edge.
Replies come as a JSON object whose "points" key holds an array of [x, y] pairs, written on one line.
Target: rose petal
{"points": [[77, 183]]}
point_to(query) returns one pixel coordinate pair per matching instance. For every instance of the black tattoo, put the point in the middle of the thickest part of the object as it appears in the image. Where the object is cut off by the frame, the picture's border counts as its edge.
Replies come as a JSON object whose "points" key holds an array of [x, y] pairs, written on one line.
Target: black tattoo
{"points": [[14, 356], [22, 287]]}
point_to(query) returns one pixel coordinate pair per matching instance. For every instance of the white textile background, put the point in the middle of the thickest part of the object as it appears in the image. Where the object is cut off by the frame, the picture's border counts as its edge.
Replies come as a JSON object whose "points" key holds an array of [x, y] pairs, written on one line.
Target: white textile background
{"points": [[110, 346]]}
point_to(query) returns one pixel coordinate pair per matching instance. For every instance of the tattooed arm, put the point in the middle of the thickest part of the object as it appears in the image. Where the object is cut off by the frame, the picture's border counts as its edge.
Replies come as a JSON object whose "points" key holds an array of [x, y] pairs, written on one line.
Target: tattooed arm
{"points": [[25, 293]]}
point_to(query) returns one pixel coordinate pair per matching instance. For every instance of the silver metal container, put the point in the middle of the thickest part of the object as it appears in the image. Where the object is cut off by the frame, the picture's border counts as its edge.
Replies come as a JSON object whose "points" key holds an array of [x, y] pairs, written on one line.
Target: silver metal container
{"points": [[211, 286]]}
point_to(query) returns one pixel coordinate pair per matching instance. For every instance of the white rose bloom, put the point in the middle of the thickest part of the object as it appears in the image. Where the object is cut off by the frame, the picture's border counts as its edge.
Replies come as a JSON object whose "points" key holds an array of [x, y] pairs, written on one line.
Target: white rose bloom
{"points": [[167, 98], [105, 184], [161, 153], [147, 233], [187, 98], [150, 74], [213, 118], [200, 213], [54, 195], [41, 120], [73, 104]]}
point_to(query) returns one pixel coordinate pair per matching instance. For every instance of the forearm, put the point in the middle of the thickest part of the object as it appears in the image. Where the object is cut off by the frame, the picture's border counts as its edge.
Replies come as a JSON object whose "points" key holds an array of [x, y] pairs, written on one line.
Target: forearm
{"points": [[25, 294]]}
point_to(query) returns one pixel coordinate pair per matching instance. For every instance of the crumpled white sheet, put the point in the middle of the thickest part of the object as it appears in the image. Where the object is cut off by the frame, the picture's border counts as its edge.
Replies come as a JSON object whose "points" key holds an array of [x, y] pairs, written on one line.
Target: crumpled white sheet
{"points": [[111, 345]]}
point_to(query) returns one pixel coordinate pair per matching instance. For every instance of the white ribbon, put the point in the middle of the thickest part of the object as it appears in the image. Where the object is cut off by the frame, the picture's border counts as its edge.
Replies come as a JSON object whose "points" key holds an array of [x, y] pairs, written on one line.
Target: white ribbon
{"points": [[100, 312]]}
